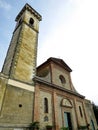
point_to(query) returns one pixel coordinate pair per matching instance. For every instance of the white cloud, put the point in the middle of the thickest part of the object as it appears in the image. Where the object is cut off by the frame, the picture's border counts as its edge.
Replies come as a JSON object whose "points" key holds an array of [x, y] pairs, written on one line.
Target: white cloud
{"points": [[5, 5], [75, 40]]}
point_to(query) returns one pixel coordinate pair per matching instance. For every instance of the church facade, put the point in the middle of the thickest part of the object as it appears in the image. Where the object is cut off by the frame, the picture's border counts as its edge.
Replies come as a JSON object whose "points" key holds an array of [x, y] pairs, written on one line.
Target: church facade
{"points": [[43, 94]]}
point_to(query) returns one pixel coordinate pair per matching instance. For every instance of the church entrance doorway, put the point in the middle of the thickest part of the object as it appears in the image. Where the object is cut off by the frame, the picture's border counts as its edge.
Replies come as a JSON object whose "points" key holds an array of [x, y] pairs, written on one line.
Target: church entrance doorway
{"points": [[67, 120]]}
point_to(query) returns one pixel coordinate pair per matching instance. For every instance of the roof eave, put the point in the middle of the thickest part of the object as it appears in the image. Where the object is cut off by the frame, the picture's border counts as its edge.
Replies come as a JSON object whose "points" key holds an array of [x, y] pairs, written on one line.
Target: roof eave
{"points": [[38, 79], [29, 8]]}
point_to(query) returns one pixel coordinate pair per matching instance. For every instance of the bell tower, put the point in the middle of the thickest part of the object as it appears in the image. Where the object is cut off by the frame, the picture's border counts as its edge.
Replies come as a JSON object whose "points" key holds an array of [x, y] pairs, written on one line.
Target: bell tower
{"points": [[16, 84], [20, 62]]}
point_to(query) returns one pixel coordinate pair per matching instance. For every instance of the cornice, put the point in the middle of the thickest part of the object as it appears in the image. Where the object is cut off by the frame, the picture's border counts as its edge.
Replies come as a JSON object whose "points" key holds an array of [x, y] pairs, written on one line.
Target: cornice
{"points": [[40, 80], [29, 8]]}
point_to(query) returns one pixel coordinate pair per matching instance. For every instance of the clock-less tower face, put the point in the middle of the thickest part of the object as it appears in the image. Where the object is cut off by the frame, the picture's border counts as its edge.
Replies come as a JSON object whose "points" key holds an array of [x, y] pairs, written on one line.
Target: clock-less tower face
{"points": [[61, 77], [20, 62]]}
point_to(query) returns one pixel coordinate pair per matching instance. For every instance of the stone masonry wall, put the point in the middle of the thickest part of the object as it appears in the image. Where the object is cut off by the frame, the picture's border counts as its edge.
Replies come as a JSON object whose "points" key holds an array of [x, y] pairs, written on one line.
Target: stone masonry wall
{"points": [[11, 51], [17, 106], [26, 57]]}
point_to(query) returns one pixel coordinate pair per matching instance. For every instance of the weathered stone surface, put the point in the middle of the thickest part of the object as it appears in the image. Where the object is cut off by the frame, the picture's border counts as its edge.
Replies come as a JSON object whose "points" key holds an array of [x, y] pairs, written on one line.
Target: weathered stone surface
{"points": [[17, 106], [2, 91], [26, 61], [20, 62], [10, 53]]}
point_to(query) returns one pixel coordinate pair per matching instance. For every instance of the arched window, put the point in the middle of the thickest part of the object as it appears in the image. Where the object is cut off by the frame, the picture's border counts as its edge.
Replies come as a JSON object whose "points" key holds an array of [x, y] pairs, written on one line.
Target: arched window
{"points": [[80, 111], [62, 79], [31, 21], [45, 105]]}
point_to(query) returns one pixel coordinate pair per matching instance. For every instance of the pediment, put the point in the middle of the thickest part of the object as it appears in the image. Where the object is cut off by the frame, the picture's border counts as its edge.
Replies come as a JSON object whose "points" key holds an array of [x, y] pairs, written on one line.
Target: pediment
{"points": [[66, 103]]}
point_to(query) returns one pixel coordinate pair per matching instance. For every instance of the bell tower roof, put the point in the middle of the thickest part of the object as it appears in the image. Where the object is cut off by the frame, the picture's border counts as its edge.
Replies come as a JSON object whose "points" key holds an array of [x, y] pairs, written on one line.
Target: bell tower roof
{"points": [[31, 10]]}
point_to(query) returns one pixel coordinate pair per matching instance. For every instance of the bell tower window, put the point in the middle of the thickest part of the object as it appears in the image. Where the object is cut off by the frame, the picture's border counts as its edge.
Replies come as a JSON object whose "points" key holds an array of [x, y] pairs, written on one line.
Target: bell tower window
{"points": [[31, 21]]}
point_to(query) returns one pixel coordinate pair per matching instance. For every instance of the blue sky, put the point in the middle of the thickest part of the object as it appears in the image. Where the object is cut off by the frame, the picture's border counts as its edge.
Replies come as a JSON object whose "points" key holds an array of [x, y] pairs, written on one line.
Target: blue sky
{"points": [[68, 30]]}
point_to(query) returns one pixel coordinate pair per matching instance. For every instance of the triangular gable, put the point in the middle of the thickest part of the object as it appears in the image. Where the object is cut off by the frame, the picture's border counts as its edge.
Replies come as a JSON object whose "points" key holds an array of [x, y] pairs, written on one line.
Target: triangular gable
{"points": [[57, 61]]}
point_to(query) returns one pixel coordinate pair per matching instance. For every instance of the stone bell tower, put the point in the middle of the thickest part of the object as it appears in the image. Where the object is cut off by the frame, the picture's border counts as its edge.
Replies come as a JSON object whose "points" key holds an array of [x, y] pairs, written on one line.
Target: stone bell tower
{"points": [[16, 84], [20, 63]]}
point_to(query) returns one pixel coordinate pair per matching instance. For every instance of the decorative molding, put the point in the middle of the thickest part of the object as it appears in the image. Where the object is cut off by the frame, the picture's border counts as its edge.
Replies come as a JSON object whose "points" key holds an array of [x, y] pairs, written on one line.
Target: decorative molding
{"points": [[66, 103], [18, 126], [40, 80], [21, 85], [30, 9]]}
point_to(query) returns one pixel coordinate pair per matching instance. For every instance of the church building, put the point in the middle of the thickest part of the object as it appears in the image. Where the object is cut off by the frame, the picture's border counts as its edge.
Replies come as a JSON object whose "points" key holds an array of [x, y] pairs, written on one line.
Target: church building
{"points": [[43, 94]]}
